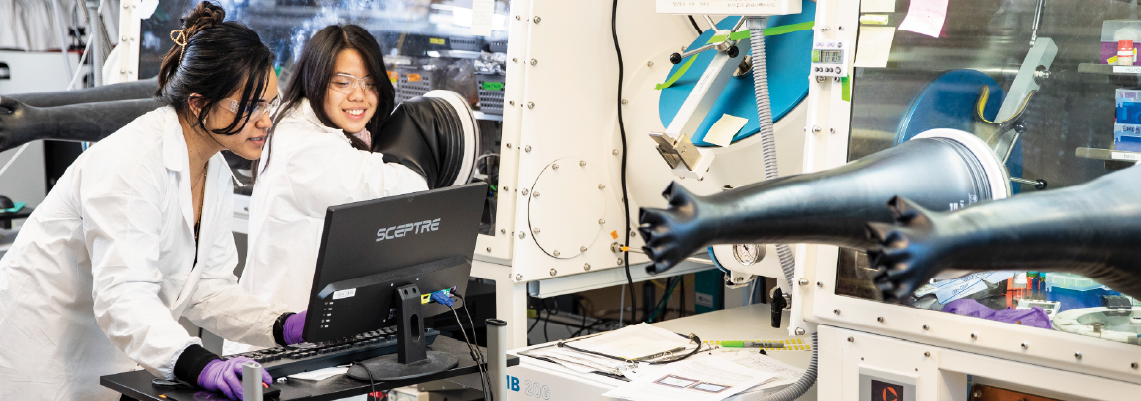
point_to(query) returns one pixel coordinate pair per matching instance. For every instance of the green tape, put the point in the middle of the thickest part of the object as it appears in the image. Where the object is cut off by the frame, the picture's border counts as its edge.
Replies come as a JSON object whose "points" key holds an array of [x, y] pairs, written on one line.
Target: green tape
{"points": [[846, 91], [493, 86], [677, 75], [776, 30]]}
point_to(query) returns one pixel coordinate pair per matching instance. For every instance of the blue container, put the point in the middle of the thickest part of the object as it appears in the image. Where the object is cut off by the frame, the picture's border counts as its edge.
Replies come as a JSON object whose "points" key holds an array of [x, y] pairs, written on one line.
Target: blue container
{"points": [[1074, 299], [1074, 291]]}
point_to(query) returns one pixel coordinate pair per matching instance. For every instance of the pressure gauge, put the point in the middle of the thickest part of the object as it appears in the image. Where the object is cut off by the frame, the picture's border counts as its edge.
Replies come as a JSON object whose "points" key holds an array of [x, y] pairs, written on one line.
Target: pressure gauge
{"points": [[747, 254]]}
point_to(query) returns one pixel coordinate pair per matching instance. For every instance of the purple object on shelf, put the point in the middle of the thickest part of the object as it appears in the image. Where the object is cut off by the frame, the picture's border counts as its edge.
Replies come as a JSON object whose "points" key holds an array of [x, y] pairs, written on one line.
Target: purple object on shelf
{"points": [[1035, 316], [1109, 49]]}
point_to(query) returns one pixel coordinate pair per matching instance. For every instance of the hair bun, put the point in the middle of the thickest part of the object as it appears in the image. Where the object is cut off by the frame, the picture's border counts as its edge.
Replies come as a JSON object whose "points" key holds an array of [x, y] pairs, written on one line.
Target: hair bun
{"points": [[205, 15]]}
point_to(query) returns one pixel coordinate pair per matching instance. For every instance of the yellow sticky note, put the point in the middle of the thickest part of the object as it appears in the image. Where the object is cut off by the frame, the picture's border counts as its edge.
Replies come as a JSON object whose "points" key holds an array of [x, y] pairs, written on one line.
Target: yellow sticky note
{"points": [[722, 131], [874, 46], [874, 19]]}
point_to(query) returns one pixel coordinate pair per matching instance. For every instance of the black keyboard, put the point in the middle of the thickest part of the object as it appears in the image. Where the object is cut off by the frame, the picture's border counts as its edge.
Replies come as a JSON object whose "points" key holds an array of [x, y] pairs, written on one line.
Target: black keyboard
{"points": [[297, 358]]}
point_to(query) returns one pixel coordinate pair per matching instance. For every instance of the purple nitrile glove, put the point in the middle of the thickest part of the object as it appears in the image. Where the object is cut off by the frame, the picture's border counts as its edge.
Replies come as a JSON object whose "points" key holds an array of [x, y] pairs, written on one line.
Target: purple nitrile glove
{"points": [[1034, 316], [294, 325], [226, 376]]}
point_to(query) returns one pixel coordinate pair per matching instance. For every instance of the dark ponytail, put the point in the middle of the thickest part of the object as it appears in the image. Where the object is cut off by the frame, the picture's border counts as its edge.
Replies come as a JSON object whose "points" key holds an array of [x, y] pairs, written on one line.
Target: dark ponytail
{"points": [[213, 59]]}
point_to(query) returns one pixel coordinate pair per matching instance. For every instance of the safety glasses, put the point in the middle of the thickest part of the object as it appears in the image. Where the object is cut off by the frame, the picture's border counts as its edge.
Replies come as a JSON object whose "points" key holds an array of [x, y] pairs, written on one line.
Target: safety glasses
{"points": [[346, 83], [258, 110]]}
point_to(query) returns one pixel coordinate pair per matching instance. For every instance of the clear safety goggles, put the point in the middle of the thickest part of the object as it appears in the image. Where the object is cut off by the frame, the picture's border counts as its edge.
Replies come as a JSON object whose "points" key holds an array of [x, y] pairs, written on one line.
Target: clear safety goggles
{"points": [[346, 83], [258, 110]]}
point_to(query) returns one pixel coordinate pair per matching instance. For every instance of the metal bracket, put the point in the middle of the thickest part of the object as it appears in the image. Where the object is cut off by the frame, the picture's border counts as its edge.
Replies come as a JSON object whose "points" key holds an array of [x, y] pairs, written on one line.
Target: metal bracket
{"points": [[1007, 125], [677, 151]]}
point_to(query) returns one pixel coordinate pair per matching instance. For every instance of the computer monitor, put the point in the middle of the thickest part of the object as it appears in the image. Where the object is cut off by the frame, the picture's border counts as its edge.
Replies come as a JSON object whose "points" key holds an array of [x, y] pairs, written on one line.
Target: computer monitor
{"points": [[380, 260]]}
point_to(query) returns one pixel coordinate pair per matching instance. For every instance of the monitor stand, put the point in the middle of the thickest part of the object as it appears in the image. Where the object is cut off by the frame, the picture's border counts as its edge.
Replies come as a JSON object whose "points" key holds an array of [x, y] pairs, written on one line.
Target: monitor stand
{"points": [[412, 358]]}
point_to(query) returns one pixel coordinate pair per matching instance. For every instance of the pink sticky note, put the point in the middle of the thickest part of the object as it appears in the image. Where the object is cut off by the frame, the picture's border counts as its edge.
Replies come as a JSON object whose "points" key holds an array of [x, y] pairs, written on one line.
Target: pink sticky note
{"points": [[925, 17]]}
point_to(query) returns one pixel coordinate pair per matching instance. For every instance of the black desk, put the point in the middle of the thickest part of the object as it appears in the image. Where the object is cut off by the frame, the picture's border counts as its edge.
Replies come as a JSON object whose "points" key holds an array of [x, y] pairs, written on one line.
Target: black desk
{"points": [[137, 384], [6, 218]]}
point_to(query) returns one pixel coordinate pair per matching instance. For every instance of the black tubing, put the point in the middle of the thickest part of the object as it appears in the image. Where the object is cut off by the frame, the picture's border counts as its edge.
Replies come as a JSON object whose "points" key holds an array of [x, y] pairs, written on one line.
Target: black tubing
{"points": [[85, 122], [143, 89], [426, 135], [829, 207], [1093, 230]]}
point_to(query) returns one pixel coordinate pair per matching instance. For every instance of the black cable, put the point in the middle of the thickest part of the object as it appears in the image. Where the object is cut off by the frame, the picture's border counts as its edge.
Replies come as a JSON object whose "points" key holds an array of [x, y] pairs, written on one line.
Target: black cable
{"points": [[582, 309], [692, 337], [371, 380], [467, 313], [671, 284], [622, 132], [482, 357], [471, 352], [692, 21], [537, 320], [546, 337]]}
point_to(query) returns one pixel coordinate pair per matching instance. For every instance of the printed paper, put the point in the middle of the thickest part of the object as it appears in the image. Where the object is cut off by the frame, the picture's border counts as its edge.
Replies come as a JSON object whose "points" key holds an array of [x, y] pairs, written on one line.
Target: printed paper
{"points": [[874, 46], [482, 17]]}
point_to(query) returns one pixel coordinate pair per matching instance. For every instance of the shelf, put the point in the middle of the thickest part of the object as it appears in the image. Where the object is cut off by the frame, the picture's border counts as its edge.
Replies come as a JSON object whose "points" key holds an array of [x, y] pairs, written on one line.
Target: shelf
{"points": [[1108, 154], [1106, 69]]}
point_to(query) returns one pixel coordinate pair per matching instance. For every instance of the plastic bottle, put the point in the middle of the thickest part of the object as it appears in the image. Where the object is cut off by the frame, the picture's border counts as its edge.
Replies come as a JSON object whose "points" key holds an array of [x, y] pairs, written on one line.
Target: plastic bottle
{"points": [[1125, 52]]}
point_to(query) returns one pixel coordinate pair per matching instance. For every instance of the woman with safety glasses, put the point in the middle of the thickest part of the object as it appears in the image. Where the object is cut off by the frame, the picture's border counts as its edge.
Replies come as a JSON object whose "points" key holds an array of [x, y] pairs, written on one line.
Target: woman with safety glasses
{"points": [[317, 156], [136, 234]]}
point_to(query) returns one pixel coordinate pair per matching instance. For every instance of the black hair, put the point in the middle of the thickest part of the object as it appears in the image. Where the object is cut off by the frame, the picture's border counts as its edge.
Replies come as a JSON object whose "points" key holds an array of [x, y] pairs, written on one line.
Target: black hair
{"points": [[212, 59], [314, 69]]}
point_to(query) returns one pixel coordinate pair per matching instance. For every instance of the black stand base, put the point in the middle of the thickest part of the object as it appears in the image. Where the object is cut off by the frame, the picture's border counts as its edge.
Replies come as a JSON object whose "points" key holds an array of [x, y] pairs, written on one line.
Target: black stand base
{"points": [[385, 368]]}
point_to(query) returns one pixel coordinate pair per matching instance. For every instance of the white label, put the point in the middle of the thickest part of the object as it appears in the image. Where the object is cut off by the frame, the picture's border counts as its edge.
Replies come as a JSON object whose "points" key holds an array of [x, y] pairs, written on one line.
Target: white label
{"points": [[704, 300], [1125, 69], [1124, 156], [344, 293]]}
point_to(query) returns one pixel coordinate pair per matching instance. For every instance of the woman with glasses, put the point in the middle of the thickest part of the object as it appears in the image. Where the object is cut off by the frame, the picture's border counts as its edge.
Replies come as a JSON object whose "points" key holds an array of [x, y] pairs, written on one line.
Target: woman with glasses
{"points": [[136, 234], [318, 156]]}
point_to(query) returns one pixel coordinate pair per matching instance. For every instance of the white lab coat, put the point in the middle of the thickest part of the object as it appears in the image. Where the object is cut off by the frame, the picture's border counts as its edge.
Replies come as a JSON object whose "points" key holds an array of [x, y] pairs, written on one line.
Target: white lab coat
{"points": [[103, 269], [310, 167]]}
